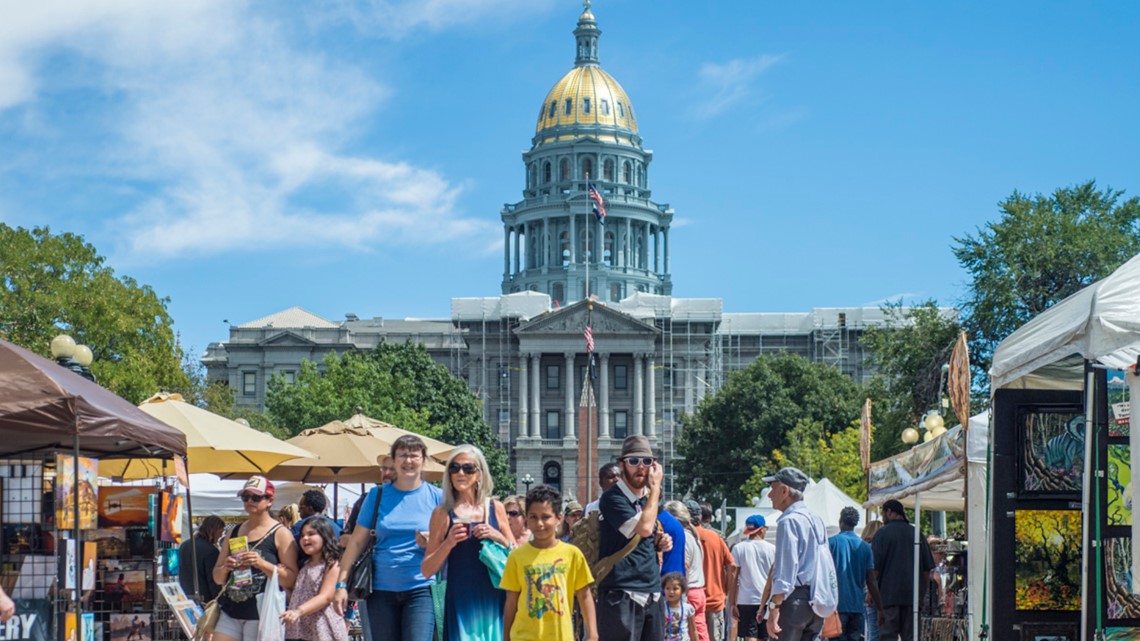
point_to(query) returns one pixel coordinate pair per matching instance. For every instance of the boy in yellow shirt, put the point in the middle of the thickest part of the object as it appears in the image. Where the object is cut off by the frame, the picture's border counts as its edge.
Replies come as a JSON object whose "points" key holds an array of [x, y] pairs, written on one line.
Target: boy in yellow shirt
{"points": [[542, 574]]}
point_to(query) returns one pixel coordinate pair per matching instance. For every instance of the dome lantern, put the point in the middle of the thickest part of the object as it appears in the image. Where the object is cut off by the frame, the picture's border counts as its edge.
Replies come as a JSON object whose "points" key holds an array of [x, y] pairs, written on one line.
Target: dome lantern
{"points": [[587, 35]]}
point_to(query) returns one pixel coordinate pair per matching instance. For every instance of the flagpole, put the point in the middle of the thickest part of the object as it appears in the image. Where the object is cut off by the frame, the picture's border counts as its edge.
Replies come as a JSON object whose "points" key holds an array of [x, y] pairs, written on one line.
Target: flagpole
{"points": [[589, 353]]}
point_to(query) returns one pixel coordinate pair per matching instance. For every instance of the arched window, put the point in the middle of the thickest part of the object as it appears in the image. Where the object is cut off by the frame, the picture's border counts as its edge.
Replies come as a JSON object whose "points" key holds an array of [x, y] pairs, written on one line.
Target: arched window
{"points": [[640, 175], [558, 292], [564, 169], [546, 172], [564, 247], [588, 168], [568, 107], [608, 169], [608, 249], [627, 173]]}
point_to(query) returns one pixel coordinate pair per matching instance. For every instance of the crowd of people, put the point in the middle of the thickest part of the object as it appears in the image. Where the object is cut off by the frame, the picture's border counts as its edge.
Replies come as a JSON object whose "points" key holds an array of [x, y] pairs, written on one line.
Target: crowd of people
{"points": [[455, 563]]}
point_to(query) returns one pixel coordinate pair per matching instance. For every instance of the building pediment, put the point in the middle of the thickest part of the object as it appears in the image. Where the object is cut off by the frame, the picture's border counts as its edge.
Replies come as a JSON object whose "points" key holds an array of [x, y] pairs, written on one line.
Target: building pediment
{"points": [[572, 320], [286, 338]]}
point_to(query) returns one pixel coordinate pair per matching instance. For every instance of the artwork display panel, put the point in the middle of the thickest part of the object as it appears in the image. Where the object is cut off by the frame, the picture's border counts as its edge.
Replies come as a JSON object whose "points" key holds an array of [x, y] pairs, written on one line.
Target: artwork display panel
{"points": [[171, 517], [1051, 460], [1119, 495], [66, 487], [1121, 634], [1120, 601], [124, 505], [1049, 632], [1119, 405], [1047, 560], [133, 626]]}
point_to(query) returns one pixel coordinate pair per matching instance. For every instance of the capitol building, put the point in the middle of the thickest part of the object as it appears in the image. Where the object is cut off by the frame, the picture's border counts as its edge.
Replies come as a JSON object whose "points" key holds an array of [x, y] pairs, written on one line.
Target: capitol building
{"points": [[523, 352]]}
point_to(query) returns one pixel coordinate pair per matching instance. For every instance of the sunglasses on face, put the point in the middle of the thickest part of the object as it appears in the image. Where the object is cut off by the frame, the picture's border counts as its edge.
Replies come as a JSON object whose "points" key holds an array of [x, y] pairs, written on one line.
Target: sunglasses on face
{"points": [[466, 468], [640, 460], [252, 498], [514, 513]]}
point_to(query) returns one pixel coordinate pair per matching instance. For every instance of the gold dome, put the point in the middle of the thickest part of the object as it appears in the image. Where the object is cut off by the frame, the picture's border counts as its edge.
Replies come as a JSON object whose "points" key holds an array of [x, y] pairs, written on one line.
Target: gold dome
{"points": [[586, 102]]}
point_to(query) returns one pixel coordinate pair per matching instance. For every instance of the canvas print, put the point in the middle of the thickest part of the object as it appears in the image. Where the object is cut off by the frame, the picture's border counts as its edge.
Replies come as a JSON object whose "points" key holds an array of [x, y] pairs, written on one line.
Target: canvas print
{"points": [[124, 586], [1049, 632], [1047, 559], [133, 626], [187, 613], [1052, 452], [1119, 477], [66, 487], [1121, 603], [1122, 634], [171, 517], [1118, 404], [112, 542], [123, 505]]}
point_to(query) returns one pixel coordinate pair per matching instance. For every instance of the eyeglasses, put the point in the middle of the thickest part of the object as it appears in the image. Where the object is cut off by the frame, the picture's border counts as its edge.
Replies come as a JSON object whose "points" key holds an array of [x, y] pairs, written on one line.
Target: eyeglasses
{"points": [[466, 468], [640, 460], [514, 513], [409, 456], [252, 498]]}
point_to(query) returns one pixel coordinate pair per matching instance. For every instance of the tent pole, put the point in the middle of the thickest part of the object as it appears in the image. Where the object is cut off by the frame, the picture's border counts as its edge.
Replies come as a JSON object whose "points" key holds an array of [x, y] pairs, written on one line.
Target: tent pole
{"points": [[1086, 484], [917, 561], [193, 544], [77, 532]]}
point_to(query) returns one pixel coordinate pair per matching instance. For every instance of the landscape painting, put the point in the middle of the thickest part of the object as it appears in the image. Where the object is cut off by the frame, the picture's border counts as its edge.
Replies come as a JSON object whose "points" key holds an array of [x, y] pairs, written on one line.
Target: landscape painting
{"points": [[122, 505], [1121, 602], [1047, 560], [66, 487], [1119, 481], [1052, 454]]}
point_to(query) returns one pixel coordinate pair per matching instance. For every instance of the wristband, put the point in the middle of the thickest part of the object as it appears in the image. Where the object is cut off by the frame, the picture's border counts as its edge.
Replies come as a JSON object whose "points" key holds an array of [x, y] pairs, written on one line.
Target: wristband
{"points": [[341, 586]]}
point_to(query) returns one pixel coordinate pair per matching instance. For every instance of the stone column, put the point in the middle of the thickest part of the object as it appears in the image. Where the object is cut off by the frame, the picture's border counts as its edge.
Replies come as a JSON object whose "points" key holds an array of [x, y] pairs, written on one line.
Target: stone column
{"points": [[524, 414], [573, 247], [516, 250], [545, 244], [656, 250], [650, 398], [690, 383], [645, 246], [535, 409], [604, 396], [666, 250], [638, 394], [569, 380], [506, 253], [628, 242]]}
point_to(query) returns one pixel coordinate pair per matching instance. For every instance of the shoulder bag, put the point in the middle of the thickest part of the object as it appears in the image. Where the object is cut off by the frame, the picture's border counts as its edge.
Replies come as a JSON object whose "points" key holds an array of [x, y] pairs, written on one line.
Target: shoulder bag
{"points": [[213, 610], [359, 585], [492, 553]]}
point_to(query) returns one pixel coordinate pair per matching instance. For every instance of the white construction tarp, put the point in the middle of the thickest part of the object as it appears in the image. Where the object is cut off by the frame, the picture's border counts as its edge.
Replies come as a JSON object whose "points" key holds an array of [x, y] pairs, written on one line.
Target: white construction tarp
{"points": [[1100, 323]]}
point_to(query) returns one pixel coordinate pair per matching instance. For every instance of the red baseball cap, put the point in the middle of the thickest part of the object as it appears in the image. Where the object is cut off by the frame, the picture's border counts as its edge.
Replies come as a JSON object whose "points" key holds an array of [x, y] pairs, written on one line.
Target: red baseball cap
{"points": [[258, 485]]}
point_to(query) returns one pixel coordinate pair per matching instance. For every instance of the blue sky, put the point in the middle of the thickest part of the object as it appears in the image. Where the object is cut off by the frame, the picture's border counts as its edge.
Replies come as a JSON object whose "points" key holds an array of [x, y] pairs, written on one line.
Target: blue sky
{"points": [[348, 156]]}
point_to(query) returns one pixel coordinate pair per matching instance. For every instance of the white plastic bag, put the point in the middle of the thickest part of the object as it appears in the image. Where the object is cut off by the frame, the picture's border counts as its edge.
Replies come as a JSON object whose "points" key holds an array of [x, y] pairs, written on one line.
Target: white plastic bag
{"points": [[270, 609]]}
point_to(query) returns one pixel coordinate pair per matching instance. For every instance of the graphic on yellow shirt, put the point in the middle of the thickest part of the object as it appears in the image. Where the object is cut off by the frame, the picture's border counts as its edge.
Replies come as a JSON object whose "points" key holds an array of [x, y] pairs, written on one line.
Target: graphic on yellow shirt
{"points": [[545, 588]]}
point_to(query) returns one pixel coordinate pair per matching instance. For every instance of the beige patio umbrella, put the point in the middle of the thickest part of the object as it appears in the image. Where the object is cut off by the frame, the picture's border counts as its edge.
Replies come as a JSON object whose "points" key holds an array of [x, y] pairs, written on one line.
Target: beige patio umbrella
{"points": [[344, 454], [437, 450], [214, 444]]}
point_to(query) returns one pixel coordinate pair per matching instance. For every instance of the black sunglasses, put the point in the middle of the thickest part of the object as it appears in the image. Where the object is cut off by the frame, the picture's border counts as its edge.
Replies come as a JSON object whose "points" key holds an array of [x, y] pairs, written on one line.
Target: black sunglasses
{"points": [[640, 460], [514, 513], [252, 498], [466, 468]]}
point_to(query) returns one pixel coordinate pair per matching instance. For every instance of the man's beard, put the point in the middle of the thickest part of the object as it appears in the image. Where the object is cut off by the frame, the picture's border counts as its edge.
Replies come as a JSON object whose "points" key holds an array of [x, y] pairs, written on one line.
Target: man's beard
{"points": [[632, 481]]}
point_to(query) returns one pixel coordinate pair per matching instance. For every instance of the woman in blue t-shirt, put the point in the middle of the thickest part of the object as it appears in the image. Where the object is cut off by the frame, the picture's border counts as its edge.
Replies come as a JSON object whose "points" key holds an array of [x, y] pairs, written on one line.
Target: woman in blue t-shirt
{"points": [[400, 607]]}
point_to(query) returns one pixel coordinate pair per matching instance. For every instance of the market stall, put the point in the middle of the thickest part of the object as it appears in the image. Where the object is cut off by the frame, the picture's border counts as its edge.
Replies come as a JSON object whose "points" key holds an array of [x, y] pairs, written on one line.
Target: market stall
{"points": [[945, 474], [1062, 547], [71, 580]]}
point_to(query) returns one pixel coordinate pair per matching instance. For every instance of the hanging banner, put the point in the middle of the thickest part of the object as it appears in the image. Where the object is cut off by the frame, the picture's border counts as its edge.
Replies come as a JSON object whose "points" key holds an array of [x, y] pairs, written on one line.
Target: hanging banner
{"points": [[32, 621], [865, 435], [916, 468], [958, 380]]}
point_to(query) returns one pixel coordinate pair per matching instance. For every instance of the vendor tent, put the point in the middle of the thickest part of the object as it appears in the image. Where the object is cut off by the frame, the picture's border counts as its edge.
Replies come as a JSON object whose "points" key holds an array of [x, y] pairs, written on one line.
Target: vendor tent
{"points": [[219, 497], [822, 498]]}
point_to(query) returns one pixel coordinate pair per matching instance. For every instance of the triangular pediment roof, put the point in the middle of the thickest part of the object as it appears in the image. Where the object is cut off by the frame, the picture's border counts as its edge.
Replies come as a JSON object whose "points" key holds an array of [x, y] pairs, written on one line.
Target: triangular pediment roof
{"points": [[572, 320], [286, 339], [292, 317]]}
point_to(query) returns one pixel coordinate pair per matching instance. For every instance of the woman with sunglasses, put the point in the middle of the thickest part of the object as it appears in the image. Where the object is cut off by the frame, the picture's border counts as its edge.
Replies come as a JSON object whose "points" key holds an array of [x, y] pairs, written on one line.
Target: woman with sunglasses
{"points": [[268, 546], [516, 516], [468, 515], [400, 606]]}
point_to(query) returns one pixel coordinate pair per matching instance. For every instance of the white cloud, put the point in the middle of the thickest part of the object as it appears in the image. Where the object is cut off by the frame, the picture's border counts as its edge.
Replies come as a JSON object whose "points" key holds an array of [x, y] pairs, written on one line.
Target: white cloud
{"points": [[237, 133], [723, 86], [397, 18], [901, 297]]}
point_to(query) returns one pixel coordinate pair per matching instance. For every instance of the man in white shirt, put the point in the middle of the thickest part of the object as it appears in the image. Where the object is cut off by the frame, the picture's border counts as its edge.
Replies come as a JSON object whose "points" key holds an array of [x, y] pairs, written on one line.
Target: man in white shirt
{"points": [[608, 475], [754, 558]]}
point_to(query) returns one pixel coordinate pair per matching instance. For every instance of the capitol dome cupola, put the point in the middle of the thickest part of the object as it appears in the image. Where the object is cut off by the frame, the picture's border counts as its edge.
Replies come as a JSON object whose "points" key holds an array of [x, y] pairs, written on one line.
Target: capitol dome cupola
{"points": [[586, 134]]}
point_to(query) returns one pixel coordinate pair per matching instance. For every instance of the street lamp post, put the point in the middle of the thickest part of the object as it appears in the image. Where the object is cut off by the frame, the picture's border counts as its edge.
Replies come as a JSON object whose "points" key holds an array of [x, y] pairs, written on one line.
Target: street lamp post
{"points": [[527, 480], [76, 358]]}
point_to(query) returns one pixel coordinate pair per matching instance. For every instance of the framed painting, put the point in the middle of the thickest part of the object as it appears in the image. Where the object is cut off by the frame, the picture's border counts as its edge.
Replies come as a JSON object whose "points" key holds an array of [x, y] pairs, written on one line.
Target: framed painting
{"points": [[1051, 455], [1049, 632], [1118, 474], [1120, 602], [1047, 560]]}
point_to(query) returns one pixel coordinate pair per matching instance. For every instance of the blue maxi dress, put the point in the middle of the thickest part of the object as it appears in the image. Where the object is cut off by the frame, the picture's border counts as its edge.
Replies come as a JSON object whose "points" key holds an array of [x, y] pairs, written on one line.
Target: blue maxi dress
{"points": [[473, 607]]}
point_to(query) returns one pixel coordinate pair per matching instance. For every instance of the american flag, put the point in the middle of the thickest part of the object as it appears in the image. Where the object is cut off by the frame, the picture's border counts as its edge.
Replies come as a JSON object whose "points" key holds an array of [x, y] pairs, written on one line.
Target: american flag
{"points": [[598, 206], [589, 334]]}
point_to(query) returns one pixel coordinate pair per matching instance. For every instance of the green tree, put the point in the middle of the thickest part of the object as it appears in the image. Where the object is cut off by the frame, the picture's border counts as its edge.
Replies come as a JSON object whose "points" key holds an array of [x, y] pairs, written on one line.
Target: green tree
{"points": [[820, 454], [396, 383], [1041, 250], [908, 351], [58, 283], [741, 425]]}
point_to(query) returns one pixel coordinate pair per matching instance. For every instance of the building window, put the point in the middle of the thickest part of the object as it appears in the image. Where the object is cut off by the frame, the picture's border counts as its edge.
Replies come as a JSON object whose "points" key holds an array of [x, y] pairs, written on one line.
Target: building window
{"points": [[608, 169], [552, 374], [605, 107], [552, 429], [621, 377], [290, 377], [553, 108], [552, 475], [627, 173], [546, 172], [585, 105], [615, 292], [564, 169], [568, 108], [504, 417], [564, 247], [587, 168], [608, 248], [621, 424], [249, 383], [621, 110], [558, 292]]}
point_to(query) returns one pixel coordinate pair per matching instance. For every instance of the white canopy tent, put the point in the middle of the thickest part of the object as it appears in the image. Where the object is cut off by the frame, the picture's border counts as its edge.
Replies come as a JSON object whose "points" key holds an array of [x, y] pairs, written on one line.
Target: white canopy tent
{"points": [[1099, 325], [219, 497], [821, 497]]}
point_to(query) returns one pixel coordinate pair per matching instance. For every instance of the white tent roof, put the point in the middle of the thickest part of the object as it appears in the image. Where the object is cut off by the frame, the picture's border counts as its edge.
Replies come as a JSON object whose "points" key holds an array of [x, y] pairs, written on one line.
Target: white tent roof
{"points": [[211, 495], [1099, 323], [822, 498]]}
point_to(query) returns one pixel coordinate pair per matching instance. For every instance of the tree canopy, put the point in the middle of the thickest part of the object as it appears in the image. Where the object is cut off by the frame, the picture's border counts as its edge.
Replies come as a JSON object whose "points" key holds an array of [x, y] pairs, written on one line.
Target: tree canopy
{"points": [[396, 383], [58, 283], [1041, 250], [741, 425]]}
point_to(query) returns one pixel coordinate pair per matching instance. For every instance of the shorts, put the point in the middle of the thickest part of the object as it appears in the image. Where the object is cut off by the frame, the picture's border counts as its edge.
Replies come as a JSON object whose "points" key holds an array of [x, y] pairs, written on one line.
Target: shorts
{"points": [[748, 626], [240, 629]]}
